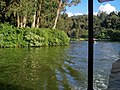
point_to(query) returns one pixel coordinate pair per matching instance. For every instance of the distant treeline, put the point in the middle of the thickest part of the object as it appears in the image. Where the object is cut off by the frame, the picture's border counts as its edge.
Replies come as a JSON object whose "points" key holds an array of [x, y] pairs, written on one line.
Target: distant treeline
{"points": [[51, 14], [106, 26]]}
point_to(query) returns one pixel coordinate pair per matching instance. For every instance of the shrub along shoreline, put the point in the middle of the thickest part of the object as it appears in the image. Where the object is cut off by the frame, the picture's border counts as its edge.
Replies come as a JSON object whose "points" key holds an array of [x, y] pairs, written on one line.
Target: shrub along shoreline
{"points": [[11, 36]]}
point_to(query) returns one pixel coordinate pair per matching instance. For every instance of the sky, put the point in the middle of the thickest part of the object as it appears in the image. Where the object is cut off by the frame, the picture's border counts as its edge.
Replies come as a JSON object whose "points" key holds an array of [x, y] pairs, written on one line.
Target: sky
{"points": [[82, 8]]}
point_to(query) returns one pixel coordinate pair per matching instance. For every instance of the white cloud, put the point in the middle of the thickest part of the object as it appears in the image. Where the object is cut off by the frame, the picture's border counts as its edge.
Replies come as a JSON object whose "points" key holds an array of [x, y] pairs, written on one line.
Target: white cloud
{"points": [[77, 14], [107, 8], [95, 13], [73, 14], [69, 14]]}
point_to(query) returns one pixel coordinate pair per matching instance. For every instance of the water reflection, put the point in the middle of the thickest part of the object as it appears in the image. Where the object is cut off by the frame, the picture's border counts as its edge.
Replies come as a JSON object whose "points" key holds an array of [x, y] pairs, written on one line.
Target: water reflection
{"points": [[36, 69], [105, 54], [56, 68]]}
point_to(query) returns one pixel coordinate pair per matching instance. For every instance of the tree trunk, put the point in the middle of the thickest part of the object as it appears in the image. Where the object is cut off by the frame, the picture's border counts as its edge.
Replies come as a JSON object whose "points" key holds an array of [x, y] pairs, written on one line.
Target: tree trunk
{"points": [[38, 20], [21, 22], [40, 8], [24, 21], [58, 12], [34, 20], [14, 13], [39, 14], [18, 20]]}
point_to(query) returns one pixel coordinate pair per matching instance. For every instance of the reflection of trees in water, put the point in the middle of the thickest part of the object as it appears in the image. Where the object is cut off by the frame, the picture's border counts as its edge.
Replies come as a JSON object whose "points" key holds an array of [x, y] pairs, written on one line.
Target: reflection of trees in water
{"points": [[71, 76], [36, 69]]}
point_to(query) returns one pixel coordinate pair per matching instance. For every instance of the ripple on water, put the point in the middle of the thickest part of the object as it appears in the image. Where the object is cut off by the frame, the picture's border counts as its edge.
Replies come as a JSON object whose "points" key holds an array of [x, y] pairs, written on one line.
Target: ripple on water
{"points": [[63, 68]]}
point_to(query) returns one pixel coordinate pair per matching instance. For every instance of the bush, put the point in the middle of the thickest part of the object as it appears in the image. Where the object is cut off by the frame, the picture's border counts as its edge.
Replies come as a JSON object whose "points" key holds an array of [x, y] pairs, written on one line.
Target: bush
{"points": [[114, 34], [31, 37]]}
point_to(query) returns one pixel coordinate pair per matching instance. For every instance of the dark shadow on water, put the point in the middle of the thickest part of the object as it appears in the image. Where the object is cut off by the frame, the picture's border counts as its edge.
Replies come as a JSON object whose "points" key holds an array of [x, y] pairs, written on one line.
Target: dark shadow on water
{"points": [[44, 68], [5, 86]]}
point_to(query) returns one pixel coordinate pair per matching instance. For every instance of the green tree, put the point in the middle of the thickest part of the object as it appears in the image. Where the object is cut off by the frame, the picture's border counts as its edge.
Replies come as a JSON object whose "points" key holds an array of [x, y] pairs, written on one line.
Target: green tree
{"points": [[61, 6]]}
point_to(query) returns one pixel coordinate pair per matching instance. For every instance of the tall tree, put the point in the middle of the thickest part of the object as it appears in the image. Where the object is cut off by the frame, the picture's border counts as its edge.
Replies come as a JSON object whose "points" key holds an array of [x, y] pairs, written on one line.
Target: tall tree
{"points": [[62, 5]]}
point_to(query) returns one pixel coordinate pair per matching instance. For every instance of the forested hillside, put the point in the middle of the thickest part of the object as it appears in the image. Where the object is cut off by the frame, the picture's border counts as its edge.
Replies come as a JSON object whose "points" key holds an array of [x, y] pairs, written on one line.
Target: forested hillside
{"points": [[51, 14]]}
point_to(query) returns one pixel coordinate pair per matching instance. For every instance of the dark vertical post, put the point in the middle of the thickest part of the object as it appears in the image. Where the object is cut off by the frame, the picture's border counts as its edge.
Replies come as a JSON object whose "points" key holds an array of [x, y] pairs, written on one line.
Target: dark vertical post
{"points": [[90, 44]]}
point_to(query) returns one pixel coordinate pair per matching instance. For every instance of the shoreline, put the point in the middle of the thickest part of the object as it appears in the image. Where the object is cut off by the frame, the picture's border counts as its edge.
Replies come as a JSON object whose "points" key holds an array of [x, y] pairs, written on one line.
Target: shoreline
{"points": [[86, 39]]}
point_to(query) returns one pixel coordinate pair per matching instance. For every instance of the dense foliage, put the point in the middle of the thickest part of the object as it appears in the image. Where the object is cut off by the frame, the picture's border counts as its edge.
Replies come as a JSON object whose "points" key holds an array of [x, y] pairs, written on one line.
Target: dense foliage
{"points": [[106, 26], [33, 13], [11, 36], [51, 14]]}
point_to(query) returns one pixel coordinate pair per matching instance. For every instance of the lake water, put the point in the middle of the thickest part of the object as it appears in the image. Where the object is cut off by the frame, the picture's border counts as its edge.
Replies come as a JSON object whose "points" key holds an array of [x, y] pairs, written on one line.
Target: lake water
{"points": [[56, 68]]}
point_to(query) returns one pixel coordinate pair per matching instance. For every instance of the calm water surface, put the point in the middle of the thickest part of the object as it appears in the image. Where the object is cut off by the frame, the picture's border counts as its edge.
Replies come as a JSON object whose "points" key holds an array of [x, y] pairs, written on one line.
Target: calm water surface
{"points": [[56, 68]]}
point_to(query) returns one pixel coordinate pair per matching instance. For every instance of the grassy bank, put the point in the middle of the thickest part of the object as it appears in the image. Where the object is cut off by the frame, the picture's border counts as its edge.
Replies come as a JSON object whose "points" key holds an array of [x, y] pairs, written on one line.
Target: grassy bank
{"points": [[86, 39], [78, 39], [11, 36]]}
